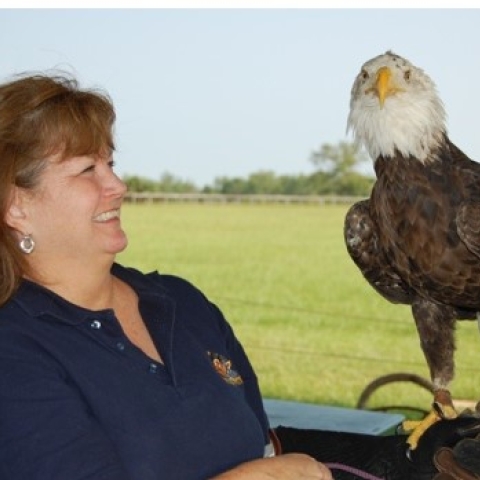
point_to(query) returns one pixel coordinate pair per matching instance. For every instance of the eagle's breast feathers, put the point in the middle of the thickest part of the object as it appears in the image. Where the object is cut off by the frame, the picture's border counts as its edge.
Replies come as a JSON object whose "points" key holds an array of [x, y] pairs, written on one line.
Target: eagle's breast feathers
{"points": [[424, 231]]}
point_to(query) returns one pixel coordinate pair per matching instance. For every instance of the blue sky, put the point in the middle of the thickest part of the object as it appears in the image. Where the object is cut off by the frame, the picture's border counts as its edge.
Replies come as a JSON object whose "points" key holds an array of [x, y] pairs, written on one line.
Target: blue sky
{"points": [[204, 93]]}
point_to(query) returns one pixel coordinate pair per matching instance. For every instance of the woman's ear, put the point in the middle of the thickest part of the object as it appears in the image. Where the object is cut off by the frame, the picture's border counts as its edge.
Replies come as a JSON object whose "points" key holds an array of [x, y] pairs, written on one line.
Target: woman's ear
{"points": [[15, 216]]}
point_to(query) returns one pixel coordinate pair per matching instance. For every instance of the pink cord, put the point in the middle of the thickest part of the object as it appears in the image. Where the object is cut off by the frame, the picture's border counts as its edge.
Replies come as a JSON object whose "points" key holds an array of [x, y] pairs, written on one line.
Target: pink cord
{"points": [[355, 471]]}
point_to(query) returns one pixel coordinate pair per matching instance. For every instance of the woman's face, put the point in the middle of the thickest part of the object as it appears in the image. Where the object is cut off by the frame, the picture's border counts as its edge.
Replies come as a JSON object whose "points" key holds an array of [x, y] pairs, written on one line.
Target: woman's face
{"points": [[75, 209]]}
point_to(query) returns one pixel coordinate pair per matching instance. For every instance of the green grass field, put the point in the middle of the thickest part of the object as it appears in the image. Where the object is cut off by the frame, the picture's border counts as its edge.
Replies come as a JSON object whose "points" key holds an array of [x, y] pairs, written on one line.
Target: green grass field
{"points": [[314, 329]]}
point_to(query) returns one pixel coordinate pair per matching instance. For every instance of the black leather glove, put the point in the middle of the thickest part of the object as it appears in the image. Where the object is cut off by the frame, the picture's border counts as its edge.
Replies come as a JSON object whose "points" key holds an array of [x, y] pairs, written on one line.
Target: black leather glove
{"points": [[461, 461], [467, 451], [387, 457]]}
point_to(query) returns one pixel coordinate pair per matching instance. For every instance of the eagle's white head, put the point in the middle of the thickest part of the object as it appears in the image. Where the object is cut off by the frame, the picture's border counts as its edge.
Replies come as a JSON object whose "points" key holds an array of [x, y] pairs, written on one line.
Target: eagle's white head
{"points": [[394, 105]]}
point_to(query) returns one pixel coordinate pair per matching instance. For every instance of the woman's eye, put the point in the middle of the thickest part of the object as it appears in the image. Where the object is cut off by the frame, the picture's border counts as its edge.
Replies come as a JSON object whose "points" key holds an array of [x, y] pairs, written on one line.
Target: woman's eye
{"points": [[90, 168]]}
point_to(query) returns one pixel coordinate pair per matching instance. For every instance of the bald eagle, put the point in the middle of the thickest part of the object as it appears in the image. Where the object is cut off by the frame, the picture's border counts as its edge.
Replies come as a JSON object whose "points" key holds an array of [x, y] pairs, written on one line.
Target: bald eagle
{"points": [[416, 240]]}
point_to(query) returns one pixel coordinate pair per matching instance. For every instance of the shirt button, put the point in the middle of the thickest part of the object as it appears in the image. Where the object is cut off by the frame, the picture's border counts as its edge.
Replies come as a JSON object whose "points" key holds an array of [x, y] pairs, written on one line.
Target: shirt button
{"points": [[152, 368], [120, 346], [96, 325]]}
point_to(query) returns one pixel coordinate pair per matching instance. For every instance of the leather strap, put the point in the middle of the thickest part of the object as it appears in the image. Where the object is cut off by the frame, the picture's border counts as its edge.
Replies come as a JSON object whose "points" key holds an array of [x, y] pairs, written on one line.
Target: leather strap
{"points": [[277, 446], [446, 463]]}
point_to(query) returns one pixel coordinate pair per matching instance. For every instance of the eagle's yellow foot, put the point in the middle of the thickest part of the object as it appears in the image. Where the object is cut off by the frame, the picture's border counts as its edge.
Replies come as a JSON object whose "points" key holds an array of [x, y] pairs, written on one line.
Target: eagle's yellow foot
{"points": [[442, 409], [417, 428]]}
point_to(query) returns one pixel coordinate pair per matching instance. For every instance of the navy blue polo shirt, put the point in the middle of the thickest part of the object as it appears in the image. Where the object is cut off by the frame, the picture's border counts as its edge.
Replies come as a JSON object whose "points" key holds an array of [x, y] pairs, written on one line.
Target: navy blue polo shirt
{"points": [[79, 401]]}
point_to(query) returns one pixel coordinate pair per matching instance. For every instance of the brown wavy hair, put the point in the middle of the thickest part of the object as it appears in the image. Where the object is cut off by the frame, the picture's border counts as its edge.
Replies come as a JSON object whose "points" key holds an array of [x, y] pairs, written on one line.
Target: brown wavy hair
{"points": [[43, 115]]}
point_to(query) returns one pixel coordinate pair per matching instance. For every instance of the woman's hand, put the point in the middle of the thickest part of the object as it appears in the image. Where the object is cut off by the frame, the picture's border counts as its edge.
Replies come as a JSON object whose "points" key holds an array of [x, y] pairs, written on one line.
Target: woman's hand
{"points": [[291, 466]]}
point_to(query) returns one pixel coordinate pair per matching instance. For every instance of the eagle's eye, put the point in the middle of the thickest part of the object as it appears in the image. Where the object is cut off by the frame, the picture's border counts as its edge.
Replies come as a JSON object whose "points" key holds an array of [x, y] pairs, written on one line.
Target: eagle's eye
{"points": [[364, 75], [407, 75]]}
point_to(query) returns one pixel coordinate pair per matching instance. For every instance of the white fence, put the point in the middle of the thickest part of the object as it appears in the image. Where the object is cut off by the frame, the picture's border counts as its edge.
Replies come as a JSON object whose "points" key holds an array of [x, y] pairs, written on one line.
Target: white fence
{"points": [[155, 197]]}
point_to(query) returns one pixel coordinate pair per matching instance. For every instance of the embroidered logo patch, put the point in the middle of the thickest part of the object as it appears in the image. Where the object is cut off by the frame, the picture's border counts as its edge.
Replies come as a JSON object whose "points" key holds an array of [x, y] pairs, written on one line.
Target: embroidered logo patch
{"points": [[223, 366]]}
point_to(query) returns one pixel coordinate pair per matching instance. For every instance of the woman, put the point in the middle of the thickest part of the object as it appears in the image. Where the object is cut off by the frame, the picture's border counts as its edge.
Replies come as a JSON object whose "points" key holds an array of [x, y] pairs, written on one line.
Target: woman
{"points": [[106, 372]]}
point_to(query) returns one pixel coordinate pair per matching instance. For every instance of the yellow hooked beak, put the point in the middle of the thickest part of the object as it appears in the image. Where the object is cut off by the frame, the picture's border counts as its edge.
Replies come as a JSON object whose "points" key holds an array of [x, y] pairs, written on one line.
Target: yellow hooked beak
{"points": [[384, 85]]}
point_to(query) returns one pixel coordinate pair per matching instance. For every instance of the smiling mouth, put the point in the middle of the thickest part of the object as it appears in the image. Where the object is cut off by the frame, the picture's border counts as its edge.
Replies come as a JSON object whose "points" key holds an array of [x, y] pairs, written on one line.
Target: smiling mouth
{"points": [[106, 216]]}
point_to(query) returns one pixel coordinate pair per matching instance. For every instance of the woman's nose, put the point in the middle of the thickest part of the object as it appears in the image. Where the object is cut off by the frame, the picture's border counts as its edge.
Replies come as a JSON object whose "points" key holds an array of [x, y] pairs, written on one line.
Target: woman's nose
{"points": [[113, 183], [119, 185]]}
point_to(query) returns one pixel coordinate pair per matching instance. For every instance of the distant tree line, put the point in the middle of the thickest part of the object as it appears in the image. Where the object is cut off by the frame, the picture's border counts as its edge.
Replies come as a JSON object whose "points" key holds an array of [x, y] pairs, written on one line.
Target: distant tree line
{"points": [[337, 172]]}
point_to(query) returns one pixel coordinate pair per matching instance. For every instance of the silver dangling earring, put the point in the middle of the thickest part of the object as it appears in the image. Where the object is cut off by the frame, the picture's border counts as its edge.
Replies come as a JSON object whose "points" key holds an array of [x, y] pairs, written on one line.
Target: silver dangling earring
{"points": [[27, 244]]}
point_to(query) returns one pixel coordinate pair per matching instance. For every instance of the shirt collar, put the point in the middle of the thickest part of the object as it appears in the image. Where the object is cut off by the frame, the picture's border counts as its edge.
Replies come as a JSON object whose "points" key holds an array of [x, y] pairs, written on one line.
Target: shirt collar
{"points": [[39, 301]]}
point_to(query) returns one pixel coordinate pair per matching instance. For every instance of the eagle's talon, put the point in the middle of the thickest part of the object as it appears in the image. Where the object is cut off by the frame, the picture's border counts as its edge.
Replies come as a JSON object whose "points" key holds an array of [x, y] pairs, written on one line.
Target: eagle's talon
{"points": [[399, 429], [445, 410], [437, 407], [408, 453]]}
